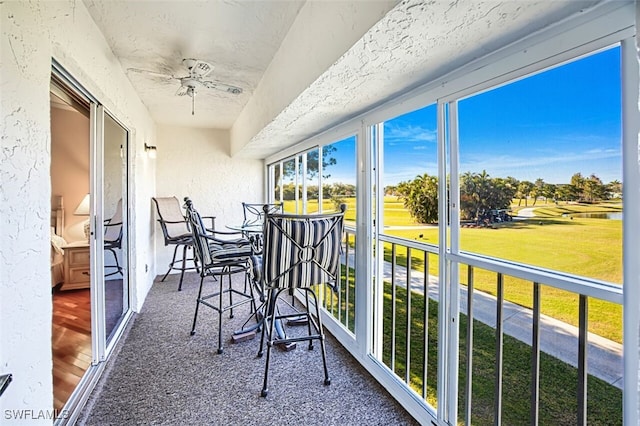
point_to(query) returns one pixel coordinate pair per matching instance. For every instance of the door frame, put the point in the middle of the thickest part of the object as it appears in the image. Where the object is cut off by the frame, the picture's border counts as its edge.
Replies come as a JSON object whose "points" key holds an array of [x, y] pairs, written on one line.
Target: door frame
{"points": [[100, 349]]}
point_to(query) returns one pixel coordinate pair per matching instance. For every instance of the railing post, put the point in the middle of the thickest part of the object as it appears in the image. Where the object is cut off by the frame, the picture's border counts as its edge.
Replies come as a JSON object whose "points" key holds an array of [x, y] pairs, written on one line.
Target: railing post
{"points": [[535, 357], [582, 360], [393, 307], [425, 355], [469, 347], [346, 291], [499, 342], [407, 376]]}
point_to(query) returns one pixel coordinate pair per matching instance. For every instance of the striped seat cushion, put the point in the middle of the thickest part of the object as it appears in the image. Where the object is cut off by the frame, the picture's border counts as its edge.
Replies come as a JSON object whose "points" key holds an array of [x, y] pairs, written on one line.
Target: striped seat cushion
{"points": [[228, 252], [212, 253]]}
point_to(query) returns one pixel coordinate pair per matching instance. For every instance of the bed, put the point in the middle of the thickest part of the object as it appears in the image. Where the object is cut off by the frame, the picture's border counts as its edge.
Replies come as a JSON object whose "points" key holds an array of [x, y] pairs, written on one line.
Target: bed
{"points": [[57, 241]]}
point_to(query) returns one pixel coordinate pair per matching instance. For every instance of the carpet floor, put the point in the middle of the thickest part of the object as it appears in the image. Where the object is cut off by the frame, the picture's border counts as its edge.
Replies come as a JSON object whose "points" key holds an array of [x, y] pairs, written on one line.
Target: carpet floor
{"points": [[161, 375]]}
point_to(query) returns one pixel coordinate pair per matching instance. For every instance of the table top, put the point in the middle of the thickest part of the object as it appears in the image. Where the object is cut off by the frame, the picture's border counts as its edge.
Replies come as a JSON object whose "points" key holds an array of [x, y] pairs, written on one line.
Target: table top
{"points": [[254, 229]]}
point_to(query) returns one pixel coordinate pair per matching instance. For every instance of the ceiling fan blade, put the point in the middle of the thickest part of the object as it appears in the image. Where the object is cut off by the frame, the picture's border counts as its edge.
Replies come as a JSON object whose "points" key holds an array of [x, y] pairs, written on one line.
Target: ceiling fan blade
{"points": [[182, 91], [221, 86], [151, 73]]}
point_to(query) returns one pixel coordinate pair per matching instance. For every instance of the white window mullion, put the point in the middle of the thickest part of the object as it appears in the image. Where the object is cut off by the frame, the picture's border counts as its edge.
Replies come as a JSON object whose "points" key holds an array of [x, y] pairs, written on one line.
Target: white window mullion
{"points": [[296, 187], [442, 270], [377, 143], [364, 241], [98, 336], [631, 227], [303, 177], [453, 305], [320, 172]]}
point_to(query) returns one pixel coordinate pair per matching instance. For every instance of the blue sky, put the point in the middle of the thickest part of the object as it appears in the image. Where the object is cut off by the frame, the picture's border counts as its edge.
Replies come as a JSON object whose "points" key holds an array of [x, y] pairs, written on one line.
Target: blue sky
{"points": [[550, 126]]}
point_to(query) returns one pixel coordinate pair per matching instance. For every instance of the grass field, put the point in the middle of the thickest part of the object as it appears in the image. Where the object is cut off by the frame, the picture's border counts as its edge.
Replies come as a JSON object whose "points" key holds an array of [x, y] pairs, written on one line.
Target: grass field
{"points": [[558, 390], [553, 240]]}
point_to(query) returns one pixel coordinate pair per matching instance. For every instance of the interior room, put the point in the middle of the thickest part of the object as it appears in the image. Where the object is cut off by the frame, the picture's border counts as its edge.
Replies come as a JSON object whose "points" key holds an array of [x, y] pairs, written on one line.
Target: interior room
{"points": [[71, 333]]}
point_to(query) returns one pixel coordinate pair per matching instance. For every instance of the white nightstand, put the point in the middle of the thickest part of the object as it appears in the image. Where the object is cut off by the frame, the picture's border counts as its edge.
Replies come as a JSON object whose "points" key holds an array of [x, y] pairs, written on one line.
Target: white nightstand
{"points": [[76, 265]]}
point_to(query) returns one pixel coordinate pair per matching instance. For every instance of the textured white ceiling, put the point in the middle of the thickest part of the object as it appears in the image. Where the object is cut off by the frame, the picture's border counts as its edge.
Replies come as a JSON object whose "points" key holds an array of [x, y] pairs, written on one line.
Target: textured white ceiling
{"points": [[415, 42], [238, 37]]}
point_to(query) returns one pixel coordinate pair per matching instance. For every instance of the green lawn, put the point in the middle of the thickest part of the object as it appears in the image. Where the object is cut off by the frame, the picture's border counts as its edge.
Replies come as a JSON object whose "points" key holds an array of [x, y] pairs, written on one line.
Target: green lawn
{"points": [[558, 380], [585, 247], [558, 390]]}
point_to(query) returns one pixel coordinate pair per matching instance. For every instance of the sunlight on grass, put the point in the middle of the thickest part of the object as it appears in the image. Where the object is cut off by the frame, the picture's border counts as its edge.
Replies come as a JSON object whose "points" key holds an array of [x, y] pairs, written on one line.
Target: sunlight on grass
{"points": [[584, 247], [557, 379]]}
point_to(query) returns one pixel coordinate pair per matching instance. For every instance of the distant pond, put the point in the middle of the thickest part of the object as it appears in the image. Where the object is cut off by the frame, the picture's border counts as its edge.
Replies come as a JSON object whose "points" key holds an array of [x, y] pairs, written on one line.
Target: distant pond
{"points": [[599, 215]]}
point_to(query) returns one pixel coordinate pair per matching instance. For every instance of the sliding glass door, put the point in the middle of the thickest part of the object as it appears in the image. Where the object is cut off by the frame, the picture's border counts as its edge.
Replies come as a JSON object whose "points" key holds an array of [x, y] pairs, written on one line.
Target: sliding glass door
{"points": [[114, 208], [104, 265]]}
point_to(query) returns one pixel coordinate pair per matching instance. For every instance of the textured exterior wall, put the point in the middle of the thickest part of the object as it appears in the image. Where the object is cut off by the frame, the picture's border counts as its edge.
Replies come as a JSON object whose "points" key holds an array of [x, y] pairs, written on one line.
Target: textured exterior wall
{"points": [[31, 34], [314, 42], [196, 163], [25, 289]]}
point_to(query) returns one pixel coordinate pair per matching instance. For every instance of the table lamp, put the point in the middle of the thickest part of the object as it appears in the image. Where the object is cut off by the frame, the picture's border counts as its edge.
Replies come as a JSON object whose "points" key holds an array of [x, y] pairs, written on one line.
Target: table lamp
{"points": [[84, 209]]}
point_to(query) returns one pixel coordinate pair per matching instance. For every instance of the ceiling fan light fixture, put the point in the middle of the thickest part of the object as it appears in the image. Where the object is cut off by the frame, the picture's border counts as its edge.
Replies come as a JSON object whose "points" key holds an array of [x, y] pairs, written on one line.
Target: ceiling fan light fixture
{"points": [[197, 69], [191, 91]]}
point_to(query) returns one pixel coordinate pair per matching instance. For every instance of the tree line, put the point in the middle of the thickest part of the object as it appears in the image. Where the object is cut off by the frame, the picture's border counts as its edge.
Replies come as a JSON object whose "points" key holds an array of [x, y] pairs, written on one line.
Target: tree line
{"points": [[334, 190], [481, 193]]}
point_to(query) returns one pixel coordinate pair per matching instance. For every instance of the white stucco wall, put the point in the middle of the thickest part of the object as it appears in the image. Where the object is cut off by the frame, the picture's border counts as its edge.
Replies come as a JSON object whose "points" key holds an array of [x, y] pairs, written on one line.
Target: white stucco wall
{"points": [[31, 34], [196, 163]]}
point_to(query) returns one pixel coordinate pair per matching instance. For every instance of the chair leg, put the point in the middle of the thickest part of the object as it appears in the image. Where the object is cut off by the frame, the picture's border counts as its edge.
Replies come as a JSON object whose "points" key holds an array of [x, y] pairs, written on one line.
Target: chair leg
{"points": [[230, 295], [265, 388], [195, 316], [175, 250], [327, 380], [184, 262], [306, 295], [118, 267], [265, 320], [220, 311]]}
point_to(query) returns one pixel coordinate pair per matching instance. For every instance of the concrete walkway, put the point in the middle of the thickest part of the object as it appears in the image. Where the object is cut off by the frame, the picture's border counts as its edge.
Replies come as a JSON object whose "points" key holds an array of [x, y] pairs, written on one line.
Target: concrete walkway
{"points": [[604, 357]]}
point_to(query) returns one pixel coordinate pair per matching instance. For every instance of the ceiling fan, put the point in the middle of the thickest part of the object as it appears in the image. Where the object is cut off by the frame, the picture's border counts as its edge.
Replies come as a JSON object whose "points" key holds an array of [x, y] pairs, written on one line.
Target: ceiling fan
{"points": [[189, 84]]}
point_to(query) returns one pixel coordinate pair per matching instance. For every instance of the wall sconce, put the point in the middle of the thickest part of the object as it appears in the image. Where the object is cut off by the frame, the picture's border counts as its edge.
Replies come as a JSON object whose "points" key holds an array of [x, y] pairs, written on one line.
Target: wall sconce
{"points": [[151, 150]]}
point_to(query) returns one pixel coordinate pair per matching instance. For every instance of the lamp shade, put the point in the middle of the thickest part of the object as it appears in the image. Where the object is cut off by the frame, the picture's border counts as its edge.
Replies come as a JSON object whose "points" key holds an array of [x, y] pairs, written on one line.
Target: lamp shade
{"points": [[83, 208]]}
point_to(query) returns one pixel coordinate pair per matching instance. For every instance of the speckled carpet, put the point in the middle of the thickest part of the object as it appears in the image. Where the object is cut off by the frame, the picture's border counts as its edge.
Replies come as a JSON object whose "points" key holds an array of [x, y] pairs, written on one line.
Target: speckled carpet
{"points": [[160, 375]]}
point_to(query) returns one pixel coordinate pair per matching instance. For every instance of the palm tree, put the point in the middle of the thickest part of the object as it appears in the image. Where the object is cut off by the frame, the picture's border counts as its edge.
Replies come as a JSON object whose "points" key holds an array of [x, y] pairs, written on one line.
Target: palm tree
{"points": [[524, 189]]}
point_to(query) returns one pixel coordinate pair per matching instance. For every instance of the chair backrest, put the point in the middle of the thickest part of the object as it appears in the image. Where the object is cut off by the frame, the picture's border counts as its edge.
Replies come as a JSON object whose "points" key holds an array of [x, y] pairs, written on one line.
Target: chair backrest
{"points": [[200, 243], [254, 213], [171, 218], [211, 251], [113, 227], [302, 250]]}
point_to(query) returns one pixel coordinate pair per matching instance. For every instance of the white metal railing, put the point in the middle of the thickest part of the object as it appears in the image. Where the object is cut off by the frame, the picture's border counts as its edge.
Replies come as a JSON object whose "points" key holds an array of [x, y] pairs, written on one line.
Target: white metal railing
{"points": [[410, 338]]}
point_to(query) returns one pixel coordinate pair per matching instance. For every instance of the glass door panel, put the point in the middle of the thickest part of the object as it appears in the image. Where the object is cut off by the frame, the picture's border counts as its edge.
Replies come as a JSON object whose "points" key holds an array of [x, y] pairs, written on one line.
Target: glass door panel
{"points": [[114, 207]]}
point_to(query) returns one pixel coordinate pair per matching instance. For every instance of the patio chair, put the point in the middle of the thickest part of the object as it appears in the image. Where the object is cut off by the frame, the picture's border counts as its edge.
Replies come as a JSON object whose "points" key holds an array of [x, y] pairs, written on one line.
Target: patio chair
{"points": [[176, 232], [113, 239], [299, 252], [254, 213], [219, 256]]}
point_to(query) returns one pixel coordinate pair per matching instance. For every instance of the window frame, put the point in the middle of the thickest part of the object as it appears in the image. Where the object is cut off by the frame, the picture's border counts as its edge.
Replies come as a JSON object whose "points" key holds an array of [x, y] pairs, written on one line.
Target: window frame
{"points": [[586, 33]]}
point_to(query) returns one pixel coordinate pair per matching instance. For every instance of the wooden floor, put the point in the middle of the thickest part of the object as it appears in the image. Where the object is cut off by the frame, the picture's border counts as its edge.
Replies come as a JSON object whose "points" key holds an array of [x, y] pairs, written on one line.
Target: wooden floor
{"points": [[71, 341]]}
